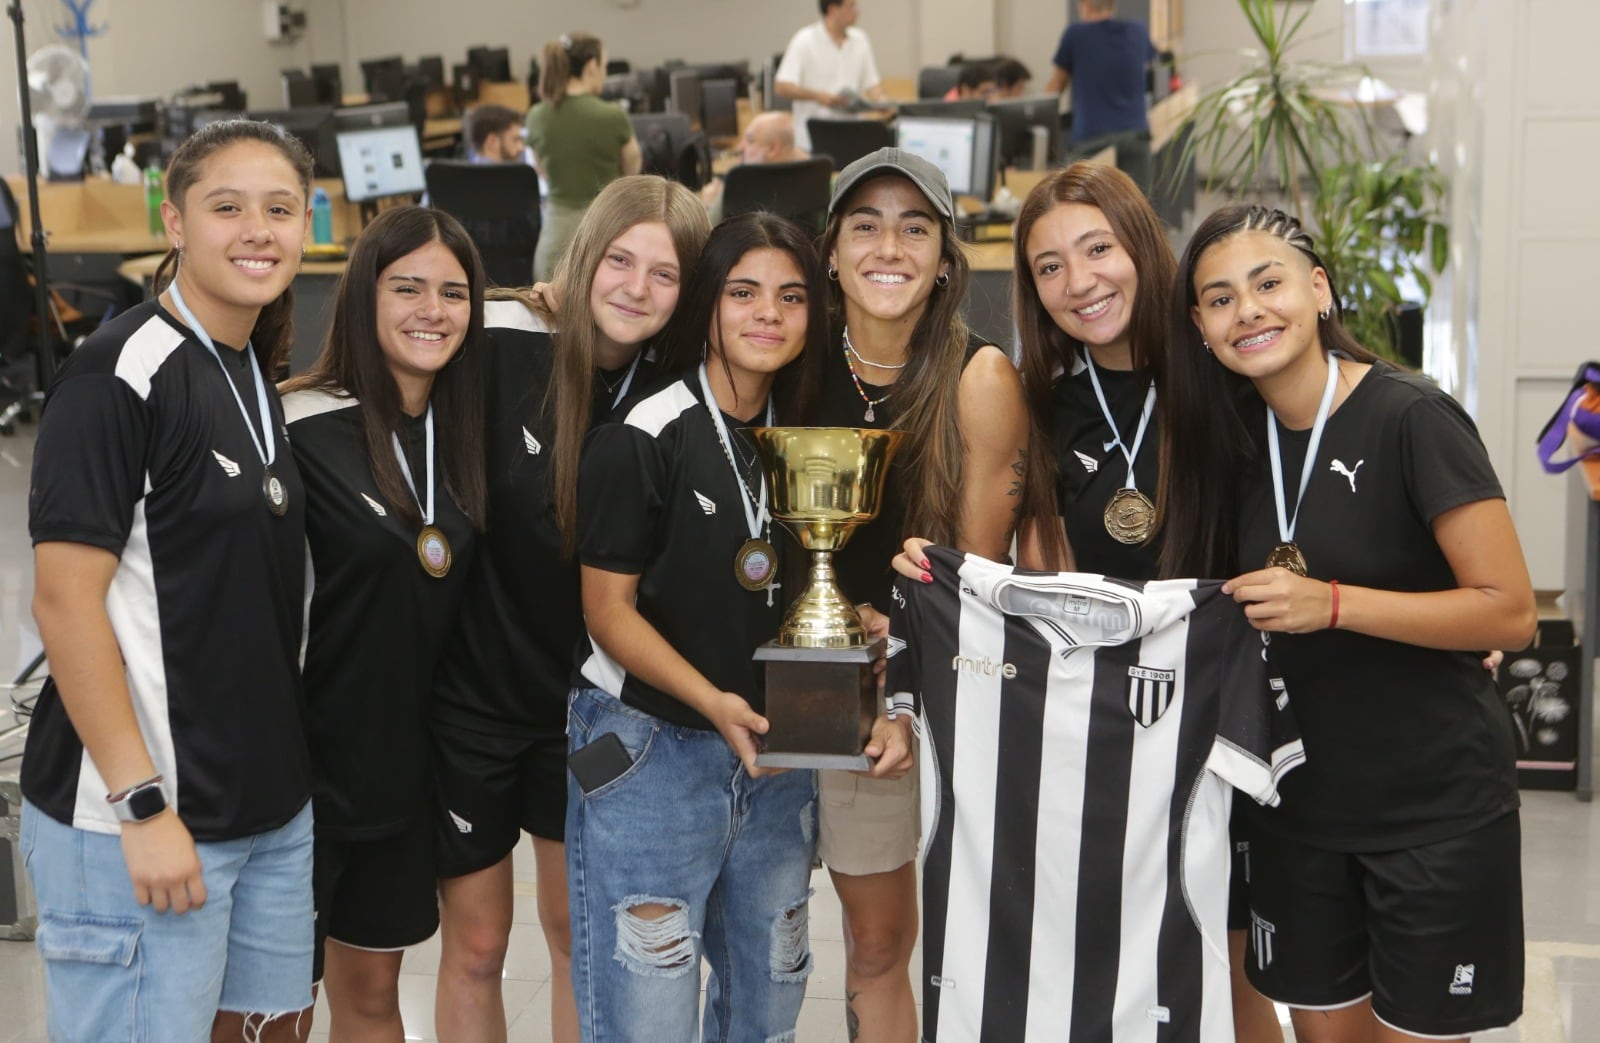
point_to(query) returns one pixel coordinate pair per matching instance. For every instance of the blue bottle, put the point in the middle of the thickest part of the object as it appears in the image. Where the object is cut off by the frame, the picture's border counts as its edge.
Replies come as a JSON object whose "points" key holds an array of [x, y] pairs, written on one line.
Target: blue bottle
{"points": [[321, 217]]}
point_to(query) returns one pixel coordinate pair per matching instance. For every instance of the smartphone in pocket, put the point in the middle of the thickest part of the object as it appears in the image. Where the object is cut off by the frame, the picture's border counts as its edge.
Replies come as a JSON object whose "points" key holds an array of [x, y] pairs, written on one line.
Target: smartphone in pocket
{"points": [[601, 761]]}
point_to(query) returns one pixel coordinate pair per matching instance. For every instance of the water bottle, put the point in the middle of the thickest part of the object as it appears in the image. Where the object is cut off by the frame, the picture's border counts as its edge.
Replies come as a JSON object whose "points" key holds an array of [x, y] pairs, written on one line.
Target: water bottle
{"points": [[321, 217], [154, 194]]}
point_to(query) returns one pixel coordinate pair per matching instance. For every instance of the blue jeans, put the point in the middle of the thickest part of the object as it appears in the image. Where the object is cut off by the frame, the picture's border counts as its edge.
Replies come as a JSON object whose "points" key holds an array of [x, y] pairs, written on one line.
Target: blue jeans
{"points": [[728, 858], [118, 970]]}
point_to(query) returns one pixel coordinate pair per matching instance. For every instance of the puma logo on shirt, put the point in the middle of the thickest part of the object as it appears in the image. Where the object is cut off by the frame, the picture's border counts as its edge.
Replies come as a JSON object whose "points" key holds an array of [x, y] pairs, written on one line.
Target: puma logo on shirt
{"points": [[1348, 472], [229, 468]]}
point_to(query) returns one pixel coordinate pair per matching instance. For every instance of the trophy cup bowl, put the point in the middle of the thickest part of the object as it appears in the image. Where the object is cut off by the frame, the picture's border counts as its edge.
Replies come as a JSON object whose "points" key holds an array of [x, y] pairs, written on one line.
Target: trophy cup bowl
{"points": [[822, 695]]}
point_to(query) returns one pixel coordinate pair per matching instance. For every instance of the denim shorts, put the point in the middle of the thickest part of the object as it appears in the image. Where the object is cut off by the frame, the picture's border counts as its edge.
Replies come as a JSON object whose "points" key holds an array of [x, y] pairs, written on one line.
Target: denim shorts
{"points": [[118, 970], [727, 857]]}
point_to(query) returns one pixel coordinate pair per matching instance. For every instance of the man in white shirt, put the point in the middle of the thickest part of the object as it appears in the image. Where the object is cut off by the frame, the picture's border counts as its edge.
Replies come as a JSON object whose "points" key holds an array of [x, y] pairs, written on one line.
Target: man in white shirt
{"points": [[823, 64]]}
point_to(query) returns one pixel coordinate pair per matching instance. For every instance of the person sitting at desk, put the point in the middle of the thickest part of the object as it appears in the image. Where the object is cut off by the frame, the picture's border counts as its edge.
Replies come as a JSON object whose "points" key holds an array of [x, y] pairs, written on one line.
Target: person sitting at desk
{"points": [[769, 138], [825, 63], [1109, 56], [495, 134], [976, 80], [1011, 79]]}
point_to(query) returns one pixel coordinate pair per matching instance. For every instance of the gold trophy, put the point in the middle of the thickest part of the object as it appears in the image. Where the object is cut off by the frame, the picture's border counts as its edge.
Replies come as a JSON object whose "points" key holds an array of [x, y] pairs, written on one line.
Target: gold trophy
{"points": [[822, 694]]}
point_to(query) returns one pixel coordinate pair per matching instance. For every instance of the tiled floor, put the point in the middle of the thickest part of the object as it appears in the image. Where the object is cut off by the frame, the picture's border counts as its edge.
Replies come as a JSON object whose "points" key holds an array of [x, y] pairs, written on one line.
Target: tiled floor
{"points": [[1561, 865]]}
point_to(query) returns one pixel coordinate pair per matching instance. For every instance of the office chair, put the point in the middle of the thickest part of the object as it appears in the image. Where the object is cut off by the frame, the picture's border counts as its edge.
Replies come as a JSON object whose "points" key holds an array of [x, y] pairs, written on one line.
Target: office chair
{"points": [[845, 141], [672, 148], [498, 204], [935, 81], [798, 190]]}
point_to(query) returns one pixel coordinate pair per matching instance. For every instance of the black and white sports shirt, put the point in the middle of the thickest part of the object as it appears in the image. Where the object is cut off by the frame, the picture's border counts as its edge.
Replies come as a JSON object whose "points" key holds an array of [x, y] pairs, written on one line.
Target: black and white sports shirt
{"points": [[1080, 741], [376, 622], [143, 452]]}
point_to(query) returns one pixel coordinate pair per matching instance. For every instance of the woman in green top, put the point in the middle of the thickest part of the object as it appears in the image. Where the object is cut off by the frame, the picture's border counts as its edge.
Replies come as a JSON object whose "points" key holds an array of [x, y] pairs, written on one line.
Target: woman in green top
{"points": [[580, 143]]}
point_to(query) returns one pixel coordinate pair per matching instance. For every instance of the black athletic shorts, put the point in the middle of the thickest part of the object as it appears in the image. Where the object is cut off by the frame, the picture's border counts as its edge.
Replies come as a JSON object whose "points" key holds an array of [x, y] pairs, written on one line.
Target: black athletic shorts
{"points": [[1432, 933], [376, 894], [1239, 866], [490, 788]]}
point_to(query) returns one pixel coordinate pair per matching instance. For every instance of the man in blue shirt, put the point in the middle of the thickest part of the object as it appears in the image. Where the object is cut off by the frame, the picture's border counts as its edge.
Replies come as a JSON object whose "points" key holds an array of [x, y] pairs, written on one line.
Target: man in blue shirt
{"points": [[1106, 60]]}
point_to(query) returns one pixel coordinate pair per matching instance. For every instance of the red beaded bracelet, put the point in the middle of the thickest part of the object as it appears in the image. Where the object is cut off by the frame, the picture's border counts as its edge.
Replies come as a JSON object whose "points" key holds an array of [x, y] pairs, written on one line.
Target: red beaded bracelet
{"points": [[1333, 621]]}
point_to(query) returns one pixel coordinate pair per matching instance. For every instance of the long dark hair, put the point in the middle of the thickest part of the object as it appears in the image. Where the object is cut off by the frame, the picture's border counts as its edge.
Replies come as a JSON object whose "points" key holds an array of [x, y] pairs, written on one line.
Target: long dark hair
{"points": [[1208, 411], [1047, 350], [926, 398], [623, 203], [273, 335], [799, 384], [352, 362], [564, 59]]}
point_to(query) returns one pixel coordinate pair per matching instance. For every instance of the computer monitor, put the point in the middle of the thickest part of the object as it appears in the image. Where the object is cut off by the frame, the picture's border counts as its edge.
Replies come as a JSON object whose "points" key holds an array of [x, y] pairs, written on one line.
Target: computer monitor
{"points": [[686, 95], [312, 125], [963, 107], [1016, 118], [430, 69], [493, 63], [962, 147], [385, 79], [739, 72], [231, 97], [380, 153], [298, 89], [330, 84], [720, 103]]}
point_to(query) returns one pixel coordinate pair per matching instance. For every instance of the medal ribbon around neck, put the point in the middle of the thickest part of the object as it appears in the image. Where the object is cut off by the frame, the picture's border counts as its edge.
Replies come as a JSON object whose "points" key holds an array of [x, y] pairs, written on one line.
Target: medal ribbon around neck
{"points": [[627, 380], [1105, 410], [1286, 522], [433, 547], [755, 514], [270, 453]]}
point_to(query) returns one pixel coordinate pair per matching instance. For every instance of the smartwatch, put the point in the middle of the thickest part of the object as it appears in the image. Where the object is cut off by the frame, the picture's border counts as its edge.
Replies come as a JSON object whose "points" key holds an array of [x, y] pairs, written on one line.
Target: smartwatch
{"points": [[140, 802]]}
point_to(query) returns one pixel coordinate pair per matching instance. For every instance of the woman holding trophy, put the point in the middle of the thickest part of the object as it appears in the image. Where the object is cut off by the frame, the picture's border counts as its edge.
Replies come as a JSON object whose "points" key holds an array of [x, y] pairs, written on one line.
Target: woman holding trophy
{"points": [[673, 833]]}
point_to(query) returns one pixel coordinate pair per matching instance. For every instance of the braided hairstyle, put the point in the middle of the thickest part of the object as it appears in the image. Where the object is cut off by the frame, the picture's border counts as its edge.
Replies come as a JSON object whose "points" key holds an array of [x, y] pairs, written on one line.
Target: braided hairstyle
{"points": [[1207, 411]]}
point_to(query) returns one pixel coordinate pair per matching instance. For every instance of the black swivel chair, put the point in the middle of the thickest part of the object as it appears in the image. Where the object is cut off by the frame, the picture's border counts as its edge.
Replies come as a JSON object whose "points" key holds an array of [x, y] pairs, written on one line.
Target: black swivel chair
{"points": [[935, 81], [845, 141], [798, 190], [498, 204], [671, 147]]}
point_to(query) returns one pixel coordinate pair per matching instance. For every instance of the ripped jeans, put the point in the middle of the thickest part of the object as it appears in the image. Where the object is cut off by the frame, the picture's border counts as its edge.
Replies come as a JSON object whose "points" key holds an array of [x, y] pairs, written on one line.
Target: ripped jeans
{"points": [[684, 856]]}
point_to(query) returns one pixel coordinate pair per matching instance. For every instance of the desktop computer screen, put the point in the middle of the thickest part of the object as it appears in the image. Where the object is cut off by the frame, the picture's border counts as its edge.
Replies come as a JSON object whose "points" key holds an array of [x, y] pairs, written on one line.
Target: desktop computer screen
{"points": [[961, 147], [720, 101], [380, 153], [686, 95], [1017, 118]]}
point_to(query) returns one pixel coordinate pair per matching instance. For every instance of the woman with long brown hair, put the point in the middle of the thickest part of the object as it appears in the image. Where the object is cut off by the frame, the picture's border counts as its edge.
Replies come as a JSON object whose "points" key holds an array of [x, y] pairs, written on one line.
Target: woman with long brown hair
{"points": [[557, 362], [580, 143]]}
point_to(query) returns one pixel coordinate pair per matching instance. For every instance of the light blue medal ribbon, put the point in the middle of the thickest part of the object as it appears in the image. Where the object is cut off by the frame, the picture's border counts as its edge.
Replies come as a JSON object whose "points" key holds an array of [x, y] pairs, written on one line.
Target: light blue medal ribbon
{"points": [[627, 380], [756, 564], [272, 488], [1287, 554], [1129, 516], [433, 549]]}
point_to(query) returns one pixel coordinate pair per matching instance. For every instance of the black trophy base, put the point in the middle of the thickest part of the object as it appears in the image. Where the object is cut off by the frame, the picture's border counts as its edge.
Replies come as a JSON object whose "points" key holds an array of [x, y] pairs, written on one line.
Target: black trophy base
{"points": [[821, 703]]}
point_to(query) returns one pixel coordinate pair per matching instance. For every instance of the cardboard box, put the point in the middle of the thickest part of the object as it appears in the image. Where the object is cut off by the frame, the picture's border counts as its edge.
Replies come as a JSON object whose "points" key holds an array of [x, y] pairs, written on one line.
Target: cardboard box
{"points": [[1540, 687]]}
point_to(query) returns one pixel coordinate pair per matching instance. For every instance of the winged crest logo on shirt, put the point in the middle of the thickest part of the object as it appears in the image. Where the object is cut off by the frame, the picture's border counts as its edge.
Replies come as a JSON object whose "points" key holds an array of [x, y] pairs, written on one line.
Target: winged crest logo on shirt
{"points": [[1089, 463], [531, 442], [229, 468], [707, 504], [377, 508], [1149, 693]]}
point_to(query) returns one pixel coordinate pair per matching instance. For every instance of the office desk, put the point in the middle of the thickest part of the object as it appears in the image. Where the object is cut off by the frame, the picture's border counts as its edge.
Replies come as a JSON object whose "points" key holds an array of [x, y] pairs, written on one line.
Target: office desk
{"points": [[441, 133], [314, 290], [1583, 604]]}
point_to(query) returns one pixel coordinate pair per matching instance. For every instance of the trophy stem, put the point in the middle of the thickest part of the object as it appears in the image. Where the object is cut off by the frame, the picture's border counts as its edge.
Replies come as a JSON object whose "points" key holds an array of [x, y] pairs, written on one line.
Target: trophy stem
{"points": [[822, 617]]}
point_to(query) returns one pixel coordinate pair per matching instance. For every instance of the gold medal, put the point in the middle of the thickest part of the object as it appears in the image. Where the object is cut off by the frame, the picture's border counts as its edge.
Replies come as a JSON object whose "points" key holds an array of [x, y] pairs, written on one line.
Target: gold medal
{"points": [[1287, 556], [1130, 516], [754, 565], [433, 550]]}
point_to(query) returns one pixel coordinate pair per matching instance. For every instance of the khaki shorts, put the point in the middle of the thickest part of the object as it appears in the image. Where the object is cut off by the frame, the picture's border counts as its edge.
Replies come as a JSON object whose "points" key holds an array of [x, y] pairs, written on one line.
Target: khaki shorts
{"points": [[867, 825]]}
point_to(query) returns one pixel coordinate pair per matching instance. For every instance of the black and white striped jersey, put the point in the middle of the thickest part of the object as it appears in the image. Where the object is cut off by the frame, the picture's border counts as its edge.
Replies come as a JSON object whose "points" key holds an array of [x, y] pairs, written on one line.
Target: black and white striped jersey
{"points": [[1080, 740], [143, 452]]}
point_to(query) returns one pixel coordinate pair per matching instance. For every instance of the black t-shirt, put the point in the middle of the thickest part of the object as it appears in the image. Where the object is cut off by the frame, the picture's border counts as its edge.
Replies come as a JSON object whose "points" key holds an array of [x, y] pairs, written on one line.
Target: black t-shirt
{"points": [[376, 621], [509, 665], [1090, 470], [142, 451], [863, 565], [1404, 745], [658, 499]]}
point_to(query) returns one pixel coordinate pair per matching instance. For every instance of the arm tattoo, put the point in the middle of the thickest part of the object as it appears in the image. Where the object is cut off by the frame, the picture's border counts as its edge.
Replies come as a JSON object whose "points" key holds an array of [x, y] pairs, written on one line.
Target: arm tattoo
{"points": [[1018, 469]]}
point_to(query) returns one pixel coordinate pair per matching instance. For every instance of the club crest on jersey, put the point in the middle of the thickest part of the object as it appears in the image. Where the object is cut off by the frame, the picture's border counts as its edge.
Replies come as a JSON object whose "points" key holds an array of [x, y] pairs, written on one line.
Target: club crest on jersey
{"points": [[1149, 693]]}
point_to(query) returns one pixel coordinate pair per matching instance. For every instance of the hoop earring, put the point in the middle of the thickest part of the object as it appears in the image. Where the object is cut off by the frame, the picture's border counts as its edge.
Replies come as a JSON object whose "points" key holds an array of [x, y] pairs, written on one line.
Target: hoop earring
{"points": [[833, 274], [1325, 312], [942, 280]]}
